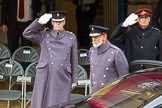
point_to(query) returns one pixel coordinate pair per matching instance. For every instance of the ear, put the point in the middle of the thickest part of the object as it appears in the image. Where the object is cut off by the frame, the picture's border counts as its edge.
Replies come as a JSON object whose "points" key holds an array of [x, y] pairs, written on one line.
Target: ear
{"points": [[64, 22], [105, 35], [149, 18]]}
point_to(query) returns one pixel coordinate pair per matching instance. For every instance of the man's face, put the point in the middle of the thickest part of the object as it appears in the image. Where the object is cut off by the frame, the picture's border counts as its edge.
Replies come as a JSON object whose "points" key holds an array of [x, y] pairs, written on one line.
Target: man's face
{"points": [[143, 21], [97, 41], [58, 25]]}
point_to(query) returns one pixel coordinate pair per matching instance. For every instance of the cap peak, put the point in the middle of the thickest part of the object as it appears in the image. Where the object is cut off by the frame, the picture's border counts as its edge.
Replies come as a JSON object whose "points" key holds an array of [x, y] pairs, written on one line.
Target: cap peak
{"points": [[96, 30], [58, 15]]}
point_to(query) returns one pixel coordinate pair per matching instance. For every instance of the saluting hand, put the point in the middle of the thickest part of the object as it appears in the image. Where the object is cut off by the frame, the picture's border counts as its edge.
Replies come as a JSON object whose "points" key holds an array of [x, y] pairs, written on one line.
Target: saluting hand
{"points": [[130, 20], [45, 18]]}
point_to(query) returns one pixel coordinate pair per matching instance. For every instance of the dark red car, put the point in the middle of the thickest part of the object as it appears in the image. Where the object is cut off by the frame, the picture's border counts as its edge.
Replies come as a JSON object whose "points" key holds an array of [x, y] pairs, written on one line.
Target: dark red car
{"points": [[142, 89]]}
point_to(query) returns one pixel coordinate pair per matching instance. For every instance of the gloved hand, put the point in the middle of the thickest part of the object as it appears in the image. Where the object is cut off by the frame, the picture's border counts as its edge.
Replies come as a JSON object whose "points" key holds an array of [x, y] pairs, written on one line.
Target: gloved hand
{"points": [[45, 18], [130, 20], [74, 85]]}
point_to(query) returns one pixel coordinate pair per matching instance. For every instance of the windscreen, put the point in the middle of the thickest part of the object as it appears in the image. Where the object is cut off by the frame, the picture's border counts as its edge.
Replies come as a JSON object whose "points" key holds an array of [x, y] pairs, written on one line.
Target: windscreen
{"points": [[133, 91]]}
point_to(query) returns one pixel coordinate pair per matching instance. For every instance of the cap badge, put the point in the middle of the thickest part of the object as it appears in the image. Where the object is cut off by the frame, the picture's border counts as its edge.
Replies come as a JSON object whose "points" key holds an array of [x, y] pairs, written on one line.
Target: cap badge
{"points": [[143, 12], [92, 28], [58, 14]]}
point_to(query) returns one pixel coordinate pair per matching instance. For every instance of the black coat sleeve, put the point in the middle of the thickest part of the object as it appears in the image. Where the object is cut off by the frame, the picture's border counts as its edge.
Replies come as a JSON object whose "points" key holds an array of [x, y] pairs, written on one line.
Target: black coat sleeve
{"points": [[118, 34]]}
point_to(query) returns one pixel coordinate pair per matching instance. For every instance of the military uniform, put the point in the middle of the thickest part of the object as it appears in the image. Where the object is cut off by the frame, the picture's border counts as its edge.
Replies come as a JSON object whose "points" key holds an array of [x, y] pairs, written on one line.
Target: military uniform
{"points": [[140, 43], [107, 63], [57, 67]]}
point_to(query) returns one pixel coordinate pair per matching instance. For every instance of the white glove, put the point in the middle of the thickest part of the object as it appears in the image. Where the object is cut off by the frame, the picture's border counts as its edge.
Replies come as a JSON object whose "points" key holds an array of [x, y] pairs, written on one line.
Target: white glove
{"points": [[45, 18], [130, 20], [74, 85]]}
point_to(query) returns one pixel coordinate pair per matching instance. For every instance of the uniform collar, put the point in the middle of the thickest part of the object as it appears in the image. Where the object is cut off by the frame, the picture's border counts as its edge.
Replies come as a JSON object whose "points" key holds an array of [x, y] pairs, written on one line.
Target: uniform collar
{"points": [[58, 35], [144, 32], [104, 47], [145, 29]]}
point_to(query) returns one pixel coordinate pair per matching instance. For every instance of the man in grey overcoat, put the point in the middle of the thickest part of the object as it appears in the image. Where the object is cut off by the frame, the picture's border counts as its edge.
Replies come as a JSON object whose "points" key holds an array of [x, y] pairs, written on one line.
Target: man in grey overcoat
{"points": [[57, 66], [107, 62]]}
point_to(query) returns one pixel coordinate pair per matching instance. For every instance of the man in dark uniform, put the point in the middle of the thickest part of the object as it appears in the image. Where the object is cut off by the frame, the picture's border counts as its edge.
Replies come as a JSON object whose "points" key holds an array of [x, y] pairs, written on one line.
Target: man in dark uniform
{"points": [[57, 67], [141, 41], [107, 62]]}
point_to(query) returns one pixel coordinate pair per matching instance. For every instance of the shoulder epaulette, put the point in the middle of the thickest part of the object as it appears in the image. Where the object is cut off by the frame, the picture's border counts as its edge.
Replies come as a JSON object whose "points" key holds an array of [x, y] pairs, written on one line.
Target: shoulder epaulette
{"points": [[156, 29], [70, 32], [115, 47]]}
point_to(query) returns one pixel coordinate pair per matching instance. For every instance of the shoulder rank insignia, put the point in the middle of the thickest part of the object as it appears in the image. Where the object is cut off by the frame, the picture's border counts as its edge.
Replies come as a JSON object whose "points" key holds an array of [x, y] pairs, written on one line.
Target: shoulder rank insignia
{"points": [[157, 29], [70, 32], [115, 47]]}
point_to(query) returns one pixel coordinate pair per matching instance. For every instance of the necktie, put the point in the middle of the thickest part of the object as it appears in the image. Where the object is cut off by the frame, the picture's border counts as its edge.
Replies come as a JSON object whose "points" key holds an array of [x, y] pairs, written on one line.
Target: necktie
{"points": [[57, 35], [21, 9]]}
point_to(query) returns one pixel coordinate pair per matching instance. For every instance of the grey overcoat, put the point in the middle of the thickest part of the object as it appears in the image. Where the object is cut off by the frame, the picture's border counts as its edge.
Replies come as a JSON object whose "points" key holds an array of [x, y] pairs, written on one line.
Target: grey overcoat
{"points": [[106, 64], [57, 66]]}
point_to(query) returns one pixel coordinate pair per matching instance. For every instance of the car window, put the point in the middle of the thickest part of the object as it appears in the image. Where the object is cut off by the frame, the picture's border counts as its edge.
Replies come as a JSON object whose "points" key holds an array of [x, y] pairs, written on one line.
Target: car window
{"points": [[136, 90]]}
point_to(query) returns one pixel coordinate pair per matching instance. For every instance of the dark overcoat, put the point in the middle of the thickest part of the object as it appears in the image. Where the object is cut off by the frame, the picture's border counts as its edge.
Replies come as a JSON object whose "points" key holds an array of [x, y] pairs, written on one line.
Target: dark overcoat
{"points": [[106, 64], [139, 43], [57, 67]]}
